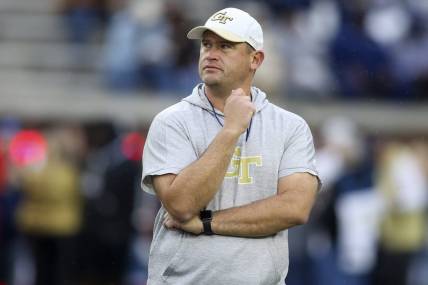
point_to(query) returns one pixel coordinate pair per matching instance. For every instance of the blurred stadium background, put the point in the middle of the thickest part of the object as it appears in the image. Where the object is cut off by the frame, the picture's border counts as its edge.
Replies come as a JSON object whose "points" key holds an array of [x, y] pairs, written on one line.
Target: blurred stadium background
{"points": [[80, 81]]}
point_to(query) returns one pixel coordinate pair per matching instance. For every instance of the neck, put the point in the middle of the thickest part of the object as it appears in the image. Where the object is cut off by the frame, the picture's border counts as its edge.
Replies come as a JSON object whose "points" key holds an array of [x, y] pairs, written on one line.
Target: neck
{"points": [[218, 95]]}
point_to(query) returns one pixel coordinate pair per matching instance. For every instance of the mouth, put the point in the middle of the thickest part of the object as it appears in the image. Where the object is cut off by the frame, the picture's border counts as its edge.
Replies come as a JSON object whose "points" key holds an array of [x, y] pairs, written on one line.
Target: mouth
{"points": [[211, 67]]}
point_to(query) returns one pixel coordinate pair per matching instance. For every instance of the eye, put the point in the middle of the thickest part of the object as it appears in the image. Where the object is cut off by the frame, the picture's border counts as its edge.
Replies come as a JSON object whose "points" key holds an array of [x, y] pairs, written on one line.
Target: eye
{"points": [[226, 46], [206, 44]]}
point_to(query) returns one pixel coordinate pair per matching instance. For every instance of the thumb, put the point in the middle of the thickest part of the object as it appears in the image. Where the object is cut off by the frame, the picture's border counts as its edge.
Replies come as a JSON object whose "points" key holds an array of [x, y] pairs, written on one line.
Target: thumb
{"points": [[238, 92]]}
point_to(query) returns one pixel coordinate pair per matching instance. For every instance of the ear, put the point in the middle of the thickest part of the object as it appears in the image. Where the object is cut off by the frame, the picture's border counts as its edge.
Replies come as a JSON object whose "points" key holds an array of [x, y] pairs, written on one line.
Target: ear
{"points": [[257, 59]]}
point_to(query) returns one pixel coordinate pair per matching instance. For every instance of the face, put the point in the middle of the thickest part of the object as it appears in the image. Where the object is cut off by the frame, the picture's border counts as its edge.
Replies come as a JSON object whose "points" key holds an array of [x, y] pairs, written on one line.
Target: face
{"points": [[224, 63]]}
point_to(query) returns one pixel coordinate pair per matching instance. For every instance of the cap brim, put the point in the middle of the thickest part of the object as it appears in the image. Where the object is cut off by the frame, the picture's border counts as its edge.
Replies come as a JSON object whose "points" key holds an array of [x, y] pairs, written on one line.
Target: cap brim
{"points": [[197, 33]]}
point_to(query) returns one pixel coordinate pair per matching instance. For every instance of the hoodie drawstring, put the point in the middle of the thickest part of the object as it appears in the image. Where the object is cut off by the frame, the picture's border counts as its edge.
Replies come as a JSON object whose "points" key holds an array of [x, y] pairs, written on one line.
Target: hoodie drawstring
{"points": [[221, 124]]}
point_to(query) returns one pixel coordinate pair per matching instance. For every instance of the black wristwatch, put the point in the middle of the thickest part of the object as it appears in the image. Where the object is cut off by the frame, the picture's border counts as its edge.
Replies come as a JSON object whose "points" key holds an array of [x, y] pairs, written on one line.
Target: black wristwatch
{"points": [[206, 217]]}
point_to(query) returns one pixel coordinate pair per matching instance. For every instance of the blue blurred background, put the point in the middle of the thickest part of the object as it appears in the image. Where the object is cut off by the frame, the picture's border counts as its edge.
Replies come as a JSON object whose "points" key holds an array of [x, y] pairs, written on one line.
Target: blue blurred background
{"points": [[80, 81]]}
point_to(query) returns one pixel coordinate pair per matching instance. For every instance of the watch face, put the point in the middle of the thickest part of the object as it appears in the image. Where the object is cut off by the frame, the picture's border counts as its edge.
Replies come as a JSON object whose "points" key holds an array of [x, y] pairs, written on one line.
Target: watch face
{"points": [[206, 214]]}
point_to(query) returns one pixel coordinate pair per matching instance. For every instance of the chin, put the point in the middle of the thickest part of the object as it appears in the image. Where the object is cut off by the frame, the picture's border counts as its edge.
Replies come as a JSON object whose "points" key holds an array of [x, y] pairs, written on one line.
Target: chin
{"points": [[209, 80]]}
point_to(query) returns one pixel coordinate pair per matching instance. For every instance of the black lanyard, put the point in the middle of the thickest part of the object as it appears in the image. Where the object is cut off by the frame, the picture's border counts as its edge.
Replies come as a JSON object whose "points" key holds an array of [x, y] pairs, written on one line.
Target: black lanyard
{"points": [[221, 124]]}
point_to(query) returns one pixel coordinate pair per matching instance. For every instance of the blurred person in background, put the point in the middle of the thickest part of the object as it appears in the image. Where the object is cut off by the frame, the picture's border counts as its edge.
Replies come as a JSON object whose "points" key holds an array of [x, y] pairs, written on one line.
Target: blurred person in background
{"points": [[146, 208], [402, 28], [49, 212], [418, 273], [146, 48], [136, 36], [184, 51], [84, 18], [338, 245], [362, 67], [305, 28], [110, 182], [85, 23], [355, 207], [403, 183], [411, 61], [5, 260], [7, 228], [230, 183], [9, 198]]}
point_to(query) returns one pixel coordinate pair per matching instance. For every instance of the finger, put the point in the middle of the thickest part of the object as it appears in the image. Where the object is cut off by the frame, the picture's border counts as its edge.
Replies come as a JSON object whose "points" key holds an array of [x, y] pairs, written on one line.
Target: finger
{"points": [[253, 108], [238, 92], [169, 224], [239, 98]]}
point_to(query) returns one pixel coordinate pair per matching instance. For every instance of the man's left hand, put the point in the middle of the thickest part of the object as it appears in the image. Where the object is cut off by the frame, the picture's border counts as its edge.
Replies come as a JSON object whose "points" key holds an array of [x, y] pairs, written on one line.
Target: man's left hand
{"points": [[193, 226]]}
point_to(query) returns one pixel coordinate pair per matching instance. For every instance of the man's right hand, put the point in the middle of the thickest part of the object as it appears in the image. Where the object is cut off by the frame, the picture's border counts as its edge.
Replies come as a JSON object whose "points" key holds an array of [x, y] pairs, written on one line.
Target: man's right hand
{"points": [[238, 111]]}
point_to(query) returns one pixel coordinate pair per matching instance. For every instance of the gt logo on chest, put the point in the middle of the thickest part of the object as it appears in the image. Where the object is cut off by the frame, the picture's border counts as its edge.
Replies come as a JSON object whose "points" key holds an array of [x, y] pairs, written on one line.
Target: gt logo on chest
{"points": [[240, 166]]}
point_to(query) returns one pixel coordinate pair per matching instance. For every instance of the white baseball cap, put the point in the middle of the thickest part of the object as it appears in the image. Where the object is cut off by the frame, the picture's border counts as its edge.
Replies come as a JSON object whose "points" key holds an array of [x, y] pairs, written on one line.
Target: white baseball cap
{"points": [[233, 25]]}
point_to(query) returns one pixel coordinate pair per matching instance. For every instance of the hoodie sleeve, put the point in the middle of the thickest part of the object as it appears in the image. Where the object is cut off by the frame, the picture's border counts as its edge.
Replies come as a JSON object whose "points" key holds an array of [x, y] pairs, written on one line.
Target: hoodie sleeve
{"points": [[167, 150], [299, 154]]}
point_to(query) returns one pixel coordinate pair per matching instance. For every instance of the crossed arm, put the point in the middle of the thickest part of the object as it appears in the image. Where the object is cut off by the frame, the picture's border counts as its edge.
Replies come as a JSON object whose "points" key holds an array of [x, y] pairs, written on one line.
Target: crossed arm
{"points": [[290, 207], [185, 194]]}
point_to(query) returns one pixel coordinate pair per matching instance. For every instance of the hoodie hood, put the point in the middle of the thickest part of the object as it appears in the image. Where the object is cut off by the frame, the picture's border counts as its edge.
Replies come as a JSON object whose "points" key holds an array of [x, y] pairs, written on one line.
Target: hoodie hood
{"points": [[199, 99]]}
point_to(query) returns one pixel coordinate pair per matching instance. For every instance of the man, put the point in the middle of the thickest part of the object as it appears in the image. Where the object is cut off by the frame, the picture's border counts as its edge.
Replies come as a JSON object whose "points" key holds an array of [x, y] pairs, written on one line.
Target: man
{"points": [[233, 171]]}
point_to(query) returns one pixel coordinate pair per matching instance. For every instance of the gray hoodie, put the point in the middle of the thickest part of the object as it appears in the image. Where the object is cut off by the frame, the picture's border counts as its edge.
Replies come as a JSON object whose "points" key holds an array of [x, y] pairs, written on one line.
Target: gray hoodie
{"points": [[278, 144]]}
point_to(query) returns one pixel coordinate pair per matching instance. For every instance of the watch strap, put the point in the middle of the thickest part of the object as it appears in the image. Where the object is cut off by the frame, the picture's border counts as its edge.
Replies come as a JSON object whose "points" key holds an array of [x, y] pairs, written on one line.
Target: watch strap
{"points": [[206, 217]]}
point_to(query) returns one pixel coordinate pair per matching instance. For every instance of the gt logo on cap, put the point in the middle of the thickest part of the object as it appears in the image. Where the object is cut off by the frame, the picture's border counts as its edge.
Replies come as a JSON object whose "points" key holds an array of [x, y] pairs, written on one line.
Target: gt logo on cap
{"points": [[221, 17]]}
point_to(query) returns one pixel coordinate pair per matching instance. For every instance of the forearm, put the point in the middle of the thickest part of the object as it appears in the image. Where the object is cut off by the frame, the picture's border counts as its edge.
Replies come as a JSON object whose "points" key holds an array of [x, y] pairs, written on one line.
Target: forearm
{"points": [[264, 217], [252, 220], [195, 186]]}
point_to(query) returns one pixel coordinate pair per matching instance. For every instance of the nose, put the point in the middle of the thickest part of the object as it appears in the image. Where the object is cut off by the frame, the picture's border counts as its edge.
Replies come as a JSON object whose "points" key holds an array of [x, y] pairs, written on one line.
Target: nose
{"points": [[212, 54]]}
